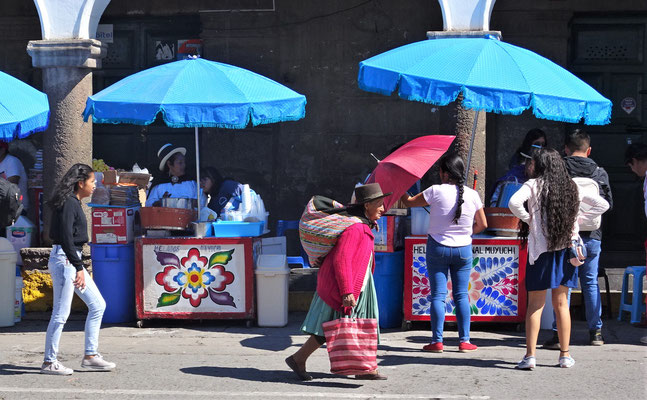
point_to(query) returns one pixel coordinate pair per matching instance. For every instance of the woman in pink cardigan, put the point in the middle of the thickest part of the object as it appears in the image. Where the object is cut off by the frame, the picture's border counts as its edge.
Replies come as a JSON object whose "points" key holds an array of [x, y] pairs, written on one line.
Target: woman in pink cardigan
{"points": [[345, 279]]}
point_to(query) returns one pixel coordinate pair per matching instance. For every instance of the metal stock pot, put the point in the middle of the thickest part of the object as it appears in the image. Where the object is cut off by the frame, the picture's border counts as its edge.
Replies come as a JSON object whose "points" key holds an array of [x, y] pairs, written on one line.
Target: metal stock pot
{"points": [[180, 202]]}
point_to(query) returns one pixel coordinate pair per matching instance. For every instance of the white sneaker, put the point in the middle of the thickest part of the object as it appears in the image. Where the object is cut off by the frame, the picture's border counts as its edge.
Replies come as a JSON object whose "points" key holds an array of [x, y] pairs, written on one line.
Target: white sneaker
{"points": [[528, 362], [566, 362], [97, 363], [55, 368]]}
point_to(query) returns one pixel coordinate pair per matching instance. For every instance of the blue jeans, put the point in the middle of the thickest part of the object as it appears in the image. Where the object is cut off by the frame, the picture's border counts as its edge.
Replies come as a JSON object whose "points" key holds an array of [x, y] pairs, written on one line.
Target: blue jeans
{"points": [[458, 262], [588, 273], [63, 274]]}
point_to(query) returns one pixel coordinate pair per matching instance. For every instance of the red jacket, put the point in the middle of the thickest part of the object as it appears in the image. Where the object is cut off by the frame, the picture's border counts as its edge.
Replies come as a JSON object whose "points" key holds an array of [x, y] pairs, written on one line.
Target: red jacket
{"points": [[344, 268]]}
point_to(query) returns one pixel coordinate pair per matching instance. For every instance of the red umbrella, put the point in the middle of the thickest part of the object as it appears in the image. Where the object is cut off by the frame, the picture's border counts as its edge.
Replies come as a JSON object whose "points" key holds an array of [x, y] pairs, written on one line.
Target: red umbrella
{"points": [[402, 168]]}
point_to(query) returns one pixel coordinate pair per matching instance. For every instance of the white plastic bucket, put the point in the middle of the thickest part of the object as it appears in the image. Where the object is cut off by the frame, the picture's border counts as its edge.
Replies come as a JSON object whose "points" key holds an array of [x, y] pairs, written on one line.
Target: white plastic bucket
{"points": [[272, 276]]}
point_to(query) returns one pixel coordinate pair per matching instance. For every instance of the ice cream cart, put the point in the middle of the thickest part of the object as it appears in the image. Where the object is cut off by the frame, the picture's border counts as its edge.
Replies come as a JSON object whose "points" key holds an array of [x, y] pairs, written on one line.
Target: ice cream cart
{"points": [[195, 278], [496, 290]]}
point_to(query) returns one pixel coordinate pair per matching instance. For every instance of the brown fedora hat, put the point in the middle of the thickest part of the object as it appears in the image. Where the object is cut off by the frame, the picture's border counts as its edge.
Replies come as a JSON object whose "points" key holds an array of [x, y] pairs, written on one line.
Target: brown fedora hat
{"points": [[369, 192]]}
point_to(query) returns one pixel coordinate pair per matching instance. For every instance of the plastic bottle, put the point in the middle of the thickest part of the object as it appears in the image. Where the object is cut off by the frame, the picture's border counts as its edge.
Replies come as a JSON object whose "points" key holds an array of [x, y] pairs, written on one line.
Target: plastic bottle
{"points": [[20, 235]]}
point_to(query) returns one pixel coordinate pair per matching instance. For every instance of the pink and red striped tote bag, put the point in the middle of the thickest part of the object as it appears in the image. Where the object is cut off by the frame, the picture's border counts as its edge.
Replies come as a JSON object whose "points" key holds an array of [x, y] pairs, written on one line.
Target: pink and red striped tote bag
{"points": [[352, 345]]}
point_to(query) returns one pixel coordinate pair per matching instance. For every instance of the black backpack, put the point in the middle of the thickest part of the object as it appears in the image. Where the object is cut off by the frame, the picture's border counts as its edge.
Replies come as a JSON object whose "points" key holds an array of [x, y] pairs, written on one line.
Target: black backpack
{"points": [[10, 203]]}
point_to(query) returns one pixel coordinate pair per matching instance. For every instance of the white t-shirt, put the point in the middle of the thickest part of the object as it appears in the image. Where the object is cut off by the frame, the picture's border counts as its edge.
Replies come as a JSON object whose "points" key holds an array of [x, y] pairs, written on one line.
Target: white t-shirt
{"points": [[11, 166], [442, 203]]}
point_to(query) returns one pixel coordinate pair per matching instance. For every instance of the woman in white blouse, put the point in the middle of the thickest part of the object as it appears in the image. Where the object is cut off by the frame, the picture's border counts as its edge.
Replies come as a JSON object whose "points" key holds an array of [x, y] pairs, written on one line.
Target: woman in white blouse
{"points": [[550, 229], [176, 184]]}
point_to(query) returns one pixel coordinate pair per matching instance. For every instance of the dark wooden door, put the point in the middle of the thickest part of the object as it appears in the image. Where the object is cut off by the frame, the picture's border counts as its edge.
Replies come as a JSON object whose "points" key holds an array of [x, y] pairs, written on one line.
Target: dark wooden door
{"points": [[608, 52]]}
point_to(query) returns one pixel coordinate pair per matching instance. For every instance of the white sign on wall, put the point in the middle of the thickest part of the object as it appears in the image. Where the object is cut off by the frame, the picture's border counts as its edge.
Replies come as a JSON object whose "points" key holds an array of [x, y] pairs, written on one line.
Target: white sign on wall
{"points": [[104, 33]]}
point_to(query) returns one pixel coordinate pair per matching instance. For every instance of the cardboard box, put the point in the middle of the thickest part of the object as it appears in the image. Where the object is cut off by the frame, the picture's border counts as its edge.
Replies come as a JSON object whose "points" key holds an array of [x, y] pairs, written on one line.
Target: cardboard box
{"points": [[141, 180], [115, 225], [390, 236], [110, 177], [114, 177]]}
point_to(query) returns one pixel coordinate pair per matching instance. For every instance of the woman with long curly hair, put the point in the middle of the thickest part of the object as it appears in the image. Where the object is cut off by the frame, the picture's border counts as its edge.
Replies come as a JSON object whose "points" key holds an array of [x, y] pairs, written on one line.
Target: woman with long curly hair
{"points": [[456, 212], [68, 231], [550, 228]]}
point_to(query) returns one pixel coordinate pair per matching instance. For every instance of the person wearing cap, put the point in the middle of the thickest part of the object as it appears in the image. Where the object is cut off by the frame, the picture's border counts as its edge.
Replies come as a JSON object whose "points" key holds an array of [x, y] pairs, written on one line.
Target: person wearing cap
{"points": [[345, 279], [177, 185], [12, 170]]}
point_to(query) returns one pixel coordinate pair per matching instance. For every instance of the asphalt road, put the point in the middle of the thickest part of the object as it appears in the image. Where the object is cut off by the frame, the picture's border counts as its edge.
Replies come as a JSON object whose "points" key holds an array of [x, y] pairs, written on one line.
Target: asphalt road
{"points": [[225, 359]]}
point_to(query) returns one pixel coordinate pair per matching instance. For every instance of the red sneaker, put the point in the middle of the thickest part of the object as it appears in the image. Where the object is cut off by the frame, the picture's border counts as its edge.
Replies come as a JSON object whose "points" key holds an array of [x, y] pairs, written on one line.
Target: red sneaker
{"points": [[466, 347], [434, 347]]}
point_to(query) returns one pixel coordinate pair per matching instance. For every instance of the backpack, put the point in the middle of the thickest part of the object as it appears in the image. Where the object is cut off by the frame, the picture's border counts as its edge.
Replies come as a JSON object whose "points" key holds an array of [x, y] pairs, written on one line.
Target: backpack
{"points": [[10, 203], [587, 221], [321, 224]]}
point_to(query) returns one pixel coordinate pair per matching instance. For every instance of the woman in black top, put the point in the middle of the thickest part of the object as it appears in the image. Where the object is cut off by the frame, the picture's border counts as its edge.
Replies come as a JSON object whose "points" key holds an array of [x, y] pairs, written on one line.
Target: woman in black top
{"points": [[68, 231], [220, 189]]}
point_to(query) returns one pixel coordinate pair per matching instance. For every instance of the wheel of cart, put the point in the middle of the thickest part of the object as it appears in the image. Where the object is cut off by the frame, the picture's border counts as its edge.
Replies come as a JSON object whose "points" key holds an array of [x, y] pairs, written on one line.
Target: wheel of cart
{"points": [[140, 323], [249, 323]]}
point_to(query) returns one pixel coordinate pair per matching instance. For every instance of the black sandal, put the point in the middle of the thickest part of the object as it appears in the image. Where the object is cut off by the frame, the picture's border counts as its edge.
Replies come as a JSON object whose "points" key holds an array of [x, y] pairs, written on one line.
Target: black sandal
{"points": [[301, 373], [371, 377]]}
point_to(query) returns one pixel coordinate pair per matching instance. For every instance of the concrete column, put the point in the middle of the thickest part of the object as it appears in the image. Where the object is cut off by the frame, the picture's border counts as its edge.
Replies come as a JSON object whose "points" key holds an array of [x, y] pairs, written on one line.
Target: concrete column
{"points": [[67, 79]]}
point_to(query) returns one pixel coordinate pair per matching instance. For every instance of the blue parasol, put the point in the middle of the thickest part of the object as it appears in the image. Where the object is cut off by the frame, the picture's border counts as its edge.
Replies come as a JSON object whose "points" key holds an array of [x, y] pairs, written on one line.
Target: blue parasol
{"points": [[23, 109], [196, 93], [492, 76]]}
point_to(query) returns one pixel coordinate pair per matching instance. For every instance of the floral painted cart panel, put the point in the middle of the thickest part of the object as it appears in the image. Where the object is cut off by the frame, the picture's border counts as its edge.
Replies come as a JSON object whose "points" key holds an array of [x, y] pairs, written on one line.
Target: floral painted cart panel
{"points": [[201, 277], [496, 289]]}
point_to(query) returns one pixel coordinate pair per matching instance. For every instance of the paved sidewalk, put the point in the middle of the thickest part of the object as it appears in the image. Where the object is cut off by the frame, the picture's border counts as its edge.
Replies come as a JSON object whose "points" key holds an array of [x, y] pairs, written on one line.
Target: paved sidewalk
{"points": [[221, 359]]}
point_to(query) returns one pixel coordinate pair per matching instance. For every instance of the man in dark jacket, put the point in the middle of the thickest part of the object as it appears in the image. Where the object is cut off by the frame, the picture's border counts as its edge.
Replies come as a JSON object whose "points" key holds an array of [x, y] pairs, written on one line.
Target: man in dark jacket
{"points": [[577, 147]]}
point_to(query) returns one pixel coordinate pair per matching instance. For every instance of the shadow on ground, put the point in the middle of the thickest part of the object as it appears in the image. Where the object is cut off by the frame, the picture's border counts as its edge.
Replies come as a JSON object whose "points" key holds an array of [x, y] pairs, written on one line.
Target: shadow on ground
{"points": [[9, 369], [259, 375]]}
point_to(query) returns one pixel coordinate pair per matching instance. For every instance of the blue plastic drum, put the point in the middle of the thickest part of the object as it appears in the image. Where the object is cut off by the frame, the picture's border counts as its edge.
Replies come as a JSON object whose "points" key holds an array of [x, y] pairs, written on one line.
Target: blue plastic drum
{"points": [[389, 286], [113, 270]]}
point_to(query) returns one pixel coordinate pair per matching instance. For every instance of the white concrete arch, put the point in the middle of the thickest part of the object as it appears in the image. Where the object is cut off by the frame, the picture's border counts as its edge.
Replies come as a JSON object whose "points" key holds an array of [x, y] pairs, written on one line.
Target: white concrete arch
{"points": [[70, 19]]}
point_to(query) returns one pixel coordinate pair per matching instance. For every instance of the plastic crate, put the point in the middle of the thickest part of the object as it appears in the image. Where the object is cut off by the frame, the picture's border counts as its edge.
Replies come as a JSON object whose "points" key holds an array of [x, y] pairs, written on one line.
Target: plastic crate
{"points": [[236, 229]]}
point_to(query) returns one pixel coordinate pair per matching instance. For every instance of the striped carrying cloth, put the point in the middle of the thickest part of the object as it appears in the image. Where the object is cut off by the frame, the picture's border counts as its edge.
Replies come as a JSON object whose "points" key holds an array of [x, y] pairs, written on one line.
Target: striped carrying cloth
{"points": [[352, 345], [321, 224]]}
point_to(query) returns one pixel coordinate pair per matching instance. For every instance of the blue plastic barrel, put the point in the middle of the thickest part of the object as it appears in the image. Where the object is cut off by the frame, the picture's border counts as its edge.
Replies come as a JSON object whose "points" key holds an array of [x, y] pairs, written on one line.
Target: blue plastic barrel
{"points": [[389, 286], [113, 270]]}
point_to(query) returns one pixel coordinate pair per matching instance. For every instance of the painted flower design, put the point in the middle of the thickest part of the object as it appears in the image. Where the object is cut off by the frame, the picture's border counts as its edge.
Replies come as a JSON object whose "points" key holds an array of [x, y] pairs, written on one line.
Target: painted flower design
{"points": [[421, 292], [194, 278], [492, 288], [475, 286]]}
